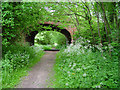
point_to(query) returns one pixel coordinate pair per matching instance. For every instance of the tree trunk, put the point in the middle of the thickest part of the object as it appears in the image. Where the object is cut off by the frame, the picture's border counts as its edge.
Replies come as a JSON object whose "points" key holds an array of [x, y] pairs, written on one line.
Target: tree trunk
{"points": [[89, 18], [104, 14], [106, 23], [97, 13], [119, 23]]}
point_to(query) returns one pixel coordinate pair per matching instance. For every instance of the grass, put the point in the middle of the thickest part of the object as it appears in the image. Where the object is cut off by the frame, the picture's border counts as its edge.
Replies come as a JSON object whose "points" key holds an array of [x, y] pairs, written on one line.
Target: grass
{"points": [[80, 67], [44, 47], [17, 63], [12, 79]]}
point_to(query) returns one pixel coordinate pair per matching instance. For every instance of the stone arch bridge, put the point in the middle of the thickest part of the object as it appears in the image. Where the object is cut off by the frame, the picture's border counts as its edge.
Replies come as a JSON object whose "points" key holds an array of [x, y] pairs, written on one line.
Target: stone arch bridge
{"points": [[67, 31]]}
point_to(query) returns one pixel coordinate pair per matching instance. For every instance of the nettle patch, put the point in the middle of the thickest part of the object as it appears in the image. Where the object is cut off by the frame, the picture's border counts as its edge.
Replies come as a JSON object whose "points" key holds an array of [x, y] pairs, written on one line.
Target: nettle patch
{"points": [[78, 66]]}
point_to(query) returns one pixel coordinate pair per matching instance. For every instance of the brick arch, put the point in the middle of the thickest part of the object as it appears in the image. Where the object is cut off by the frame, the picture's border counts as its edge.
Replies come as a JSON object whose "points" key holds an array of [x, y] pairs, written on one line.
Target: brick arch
{"points": [[30, 38]]}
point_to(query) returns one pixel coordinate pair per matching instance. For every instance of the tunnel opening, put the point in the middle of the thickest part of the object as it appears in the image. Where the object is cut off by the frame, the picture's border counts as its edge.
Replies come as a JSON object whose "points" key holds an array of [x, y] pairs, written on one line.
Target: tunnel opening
{"points": [[50, 40], [31, 36]]}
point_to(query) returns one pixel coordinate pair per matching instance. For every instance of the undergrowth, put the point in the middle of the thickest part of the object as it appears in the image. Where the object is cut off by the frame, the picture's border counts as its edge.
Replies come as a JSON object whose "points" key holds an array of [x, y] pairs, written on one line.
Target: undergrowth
{"points": [[44, 47], [78, 66], [16, 62]]}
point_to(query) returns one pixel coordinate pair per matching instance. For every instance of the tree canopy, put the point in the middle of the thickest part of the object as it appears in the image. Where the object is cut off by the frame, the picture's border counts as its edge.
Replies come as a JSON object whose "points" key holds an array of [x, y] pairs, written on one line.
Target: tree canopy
{"points": [[97, 21]]}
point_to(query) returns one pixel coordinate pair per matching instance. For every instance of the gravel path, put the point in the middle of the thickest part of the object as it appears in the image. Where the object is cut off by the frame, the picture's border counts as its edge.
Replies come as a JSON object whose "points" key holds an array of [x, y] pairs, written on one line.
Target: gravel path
{"points": [[40, 72]]}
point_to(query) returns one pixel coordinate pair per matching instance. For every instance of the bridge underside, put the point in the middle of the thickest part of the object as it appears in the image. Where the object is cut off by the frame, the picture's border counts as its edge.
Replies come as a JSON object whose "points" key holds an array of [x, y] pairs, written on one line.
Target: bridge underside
{"points": [[30, 38]]}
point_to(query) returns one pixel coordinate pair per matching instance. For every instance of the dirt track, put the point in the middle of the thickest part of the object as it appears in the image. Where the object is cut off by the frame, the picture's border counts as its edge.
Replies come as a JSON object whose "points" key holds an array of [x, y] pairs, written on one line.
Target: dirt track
{"points": [[40, 72]]}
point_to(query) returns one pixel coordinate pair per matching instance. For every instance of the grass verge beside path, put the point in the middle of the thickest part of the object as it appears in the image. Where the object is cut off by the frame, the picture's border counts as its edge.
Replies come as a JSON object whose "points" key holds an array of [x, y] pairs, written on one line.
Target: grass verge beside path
{"points": [[17, 62], [79, 67]]}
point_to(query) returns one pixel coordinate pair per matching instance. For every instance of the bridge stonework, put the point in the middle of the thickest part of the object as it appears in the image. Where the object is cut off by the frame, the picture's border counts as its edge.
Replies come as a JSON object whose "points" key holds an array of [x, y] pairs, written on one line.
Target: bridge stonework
{"points": [[67, 31], [70, 29]]}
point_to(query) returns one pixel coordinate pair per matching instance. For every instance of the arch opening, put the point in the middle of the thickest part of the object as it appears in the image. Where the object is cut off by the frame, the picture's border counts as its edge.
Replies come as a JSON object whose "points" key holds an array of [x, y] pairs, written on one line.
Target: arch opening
{"points": [[50, 40], [30, 38]]}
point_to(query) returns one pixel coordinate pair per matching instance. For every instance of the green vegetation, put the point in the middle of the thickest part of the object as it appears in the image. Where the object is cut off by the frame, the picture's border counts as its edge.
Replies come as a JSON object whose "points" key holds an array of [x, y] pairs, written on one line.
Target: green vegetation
{"points": [[78, 66], [92, 62], [16, 62], [50, 39]]}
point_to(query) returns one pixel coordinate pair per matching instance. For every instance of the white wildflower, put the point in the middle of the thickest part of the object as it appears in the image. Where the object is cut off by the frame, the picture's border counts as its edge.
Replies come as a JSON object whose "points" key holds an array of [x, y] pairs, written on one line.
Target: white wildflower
{"points": [[90, 47], [66, 84], [69, 65], [55, 44], [104, 57], [98, 86], [101, 44], [106, 47], [78, 69], [88, 41], [74, 64], [68, 72], [71, 44], [84, 75], [84, 67]]}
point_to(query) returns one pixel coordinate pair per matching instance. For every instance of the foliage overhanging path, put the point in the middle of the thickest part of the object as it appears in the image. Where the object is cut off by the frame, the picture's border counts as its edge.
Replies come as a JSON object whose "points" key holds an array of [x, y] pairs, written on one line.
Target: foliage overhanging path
{"points": [[39, 75]]}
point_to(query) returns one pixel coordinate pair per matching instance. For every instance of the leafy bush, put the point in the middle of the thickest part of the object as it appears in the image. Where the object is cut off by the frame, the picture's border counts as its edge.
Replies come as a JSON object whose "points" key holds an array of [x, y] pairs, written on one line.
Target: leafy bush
{"points": [[78, 67], [16, 61]]}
